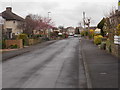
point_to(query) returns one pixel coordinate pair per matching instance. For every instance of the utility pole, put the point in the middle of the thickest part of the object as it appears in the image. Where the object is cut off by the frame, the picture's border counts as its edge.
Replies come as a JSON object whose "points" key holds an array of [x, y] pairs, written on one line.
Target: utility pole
{"points": [[48, 26], [48, 14], [84, 19]]}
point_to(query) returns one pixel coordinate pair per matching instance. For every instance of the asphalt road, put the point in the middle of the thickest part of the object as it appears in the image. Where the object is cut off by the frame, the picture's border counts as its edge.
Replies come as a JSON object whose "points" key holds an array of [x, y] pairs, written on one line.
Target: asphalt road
{"points": [[58, 65]]}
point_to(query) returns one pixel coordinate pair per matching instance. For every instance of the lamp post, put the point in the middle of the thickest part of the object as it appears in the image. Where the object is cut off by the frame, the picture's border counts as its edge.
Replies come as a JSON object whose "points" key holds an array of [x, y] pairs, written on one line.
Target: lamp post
{"points": [[84, 19], [48, 26], [48, 14]]}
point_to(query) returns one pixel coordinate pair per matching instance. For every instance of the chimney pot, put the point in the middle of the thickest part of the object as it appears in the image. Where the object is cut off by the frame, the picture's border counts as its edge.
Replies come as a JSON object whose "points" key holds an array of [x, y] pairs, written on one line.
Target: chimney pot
{"points": [[9, 9]]}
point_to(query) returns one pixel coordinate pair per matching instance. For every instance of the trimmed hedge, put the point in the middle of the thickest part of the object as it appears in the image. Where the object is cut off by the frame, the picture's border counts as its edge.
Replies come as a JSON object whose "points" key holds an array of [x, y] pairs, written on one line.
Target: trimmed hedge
{"points": [[24, 37]]}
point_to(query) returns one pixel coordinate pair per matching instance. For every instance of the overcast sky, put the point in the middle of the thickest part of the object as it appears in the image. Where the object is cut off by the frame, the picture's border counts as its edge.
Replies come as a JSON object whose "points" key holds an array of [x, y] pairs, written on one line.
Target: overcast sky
{"points": [[63, 12]]}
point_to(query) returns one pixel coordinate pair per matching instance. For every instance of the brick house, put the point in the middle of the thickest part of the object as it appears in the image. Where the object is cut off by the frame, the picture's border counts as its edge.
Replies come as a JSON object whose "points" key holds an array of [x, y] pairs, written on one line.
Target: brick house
{"points": [[11, 23]]}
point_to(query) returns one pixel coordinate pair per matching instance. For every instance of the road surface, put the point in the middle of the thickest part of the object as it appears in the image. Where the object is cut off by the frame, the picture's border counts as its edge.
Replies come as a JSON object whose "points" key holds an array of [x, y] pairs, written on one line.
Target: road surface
{"points": [[58, 65]]}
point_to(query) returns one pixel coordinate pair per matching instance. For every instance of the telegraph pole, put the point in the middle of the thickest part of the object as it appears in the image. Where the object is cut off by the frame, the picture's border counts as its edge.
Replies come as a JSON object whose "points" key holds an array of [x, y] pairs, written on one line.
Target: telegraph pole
{"points": [[48, 26], [84, 19], [48, 14]]}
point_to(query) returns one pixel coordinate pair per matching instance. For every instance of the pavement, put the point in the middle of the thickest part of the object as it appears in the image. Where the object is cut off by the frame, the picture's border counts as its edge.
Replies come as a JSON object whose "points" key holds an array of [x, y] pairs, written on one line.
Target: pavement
{"points": [[100, 66], [58, 65]]}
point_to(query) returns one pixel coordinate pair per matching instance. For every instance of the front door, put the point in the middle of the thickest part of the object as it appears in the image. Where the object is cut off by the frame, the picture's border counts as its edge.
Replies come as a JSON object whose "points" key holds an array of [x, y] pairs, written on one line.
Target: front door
{"points": [[9, 33]]}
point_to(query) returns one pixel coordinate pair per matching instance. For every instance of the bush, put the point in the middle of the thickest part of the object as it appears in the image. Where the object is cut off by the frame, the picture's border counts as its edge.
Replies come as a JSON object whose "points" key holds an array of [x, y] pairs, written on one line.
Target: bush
{"points": [[82, 33], [13, 46], [108, 45], [91, 33], [118, 30], [46, 39], [2, 44], [24, 37], [36, 36], [98, 39], [63, 36], [86, 33], [103, 45]]}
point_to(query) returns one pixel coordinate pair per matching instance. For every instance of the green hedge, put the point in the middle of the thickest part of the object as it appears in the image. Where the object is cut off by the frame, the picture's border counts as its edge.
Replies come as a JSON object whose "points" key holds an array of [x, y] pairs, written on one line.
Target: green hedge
{"points": [[24, 37], [2, 44]]}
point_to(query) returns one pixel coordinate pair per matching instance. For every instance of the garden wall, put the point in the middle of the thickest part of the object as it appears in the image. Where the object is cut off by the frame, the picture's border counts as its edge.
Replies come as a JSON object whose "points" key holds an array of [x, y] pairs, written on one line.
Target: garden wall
{"points": [[113, 49], [19, 43], [34, 41]]}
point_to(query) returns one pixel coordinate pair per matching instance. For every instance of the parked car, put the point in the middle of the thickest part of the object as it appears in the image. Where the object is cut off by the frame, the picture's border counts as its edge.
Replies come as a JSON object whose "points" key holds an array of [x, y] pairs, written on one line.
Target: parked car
{"points": [[75, 35]]}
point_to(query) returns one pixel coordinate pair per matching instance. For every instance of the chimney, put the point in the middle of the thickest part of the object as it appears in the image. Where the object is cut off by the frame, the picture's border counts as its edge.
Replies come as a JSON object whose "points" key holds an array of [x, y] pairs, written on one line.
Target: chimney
{"points": [[9, 9]]}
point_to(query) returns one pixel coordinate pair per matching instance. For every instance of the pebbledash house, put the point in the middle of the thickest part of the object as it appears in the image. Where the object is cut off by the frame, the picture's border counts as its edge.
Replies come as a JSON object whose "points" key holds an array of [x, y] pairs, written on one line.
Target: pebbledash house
{"points": [[11, 23]]}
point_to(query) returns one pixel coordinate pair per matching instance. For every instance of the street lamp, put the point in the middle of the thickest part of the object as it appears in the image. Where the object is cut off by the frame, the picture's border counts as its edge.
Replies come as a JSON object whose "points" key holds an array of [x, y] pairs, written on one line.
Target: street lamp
{"points": [[48, 14], [48, 26]]}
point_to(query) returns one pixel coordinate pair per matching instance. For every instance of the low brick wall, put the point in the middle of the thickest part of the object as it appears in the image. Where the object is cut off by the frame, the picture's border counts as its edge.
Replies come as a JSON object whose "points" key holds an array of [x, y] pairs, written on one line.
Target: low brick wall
{"points": [[19, 43], [34, 41]]}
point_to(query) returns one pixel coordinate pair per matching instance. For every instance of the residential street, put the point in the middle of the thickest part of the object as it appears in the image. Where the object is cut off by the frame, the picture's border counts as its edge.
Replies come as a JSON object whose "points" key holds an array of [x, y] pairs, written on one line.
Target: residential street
{"points": [[60, 44], [58, 65]]}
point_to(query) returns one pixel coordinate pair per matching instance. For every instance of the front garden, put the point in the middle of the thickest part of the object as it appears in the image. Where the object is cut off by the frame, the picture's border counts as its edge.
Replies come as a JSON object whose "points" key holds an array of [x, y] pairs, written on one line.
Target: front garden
{"points": [[104, 42]]}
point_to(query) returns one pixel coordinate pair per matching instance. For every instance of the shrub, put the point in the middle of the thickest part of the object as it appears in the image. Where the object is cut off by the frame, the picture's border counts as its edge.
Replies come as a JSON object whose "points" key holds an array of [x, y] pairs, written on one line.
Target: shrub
{"points": [[46, 39], [98, 39], [24, 37], [108, 45], [91, 33], [36, 36], [103, 45], [2, 44], [86, 33], [118, 29], [13, 46], [63, 36], [82, 33]]}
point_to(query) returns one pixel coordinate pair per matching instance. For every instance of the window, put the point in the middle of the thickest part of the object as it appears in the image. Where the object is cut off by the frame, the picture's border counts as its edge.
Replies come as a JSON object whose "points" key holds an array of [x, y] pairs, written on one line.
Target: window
{"points": [[13, 21]]}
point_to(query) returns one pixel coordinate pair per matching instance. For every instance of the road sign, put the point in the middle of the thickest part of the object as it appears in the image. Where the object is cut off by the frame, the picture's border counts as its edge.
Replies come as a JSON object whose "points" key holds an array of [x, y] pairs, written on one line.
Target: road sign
{"points": [[117, 39], [118, 5], [119, 2]]}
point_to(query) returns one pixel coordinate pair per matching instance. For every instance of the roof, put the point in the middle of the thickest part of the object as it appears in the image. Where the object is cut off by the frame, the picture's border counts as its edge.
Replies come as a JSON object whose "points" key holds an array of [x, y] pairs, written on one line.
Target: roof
{"points": [[70, 28], [9, 15]]}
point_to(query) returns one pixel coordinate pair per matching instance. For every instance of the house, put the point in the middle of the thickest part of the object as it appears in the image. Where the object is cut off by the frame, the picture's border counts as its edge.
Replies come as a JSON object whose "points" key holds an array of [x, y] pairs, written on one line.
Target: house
{"points": [[110, 26], [1, 26], [11, 23], [70, 30]]}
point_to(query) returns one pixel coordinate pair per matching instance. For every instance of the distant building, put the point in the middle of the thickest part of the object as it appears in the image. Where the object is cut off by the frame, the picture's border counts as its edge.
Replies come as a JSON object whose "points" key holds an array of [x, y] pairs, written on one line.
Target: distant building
{"points": [[11, 23], [71, 30], [93, 27]]}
